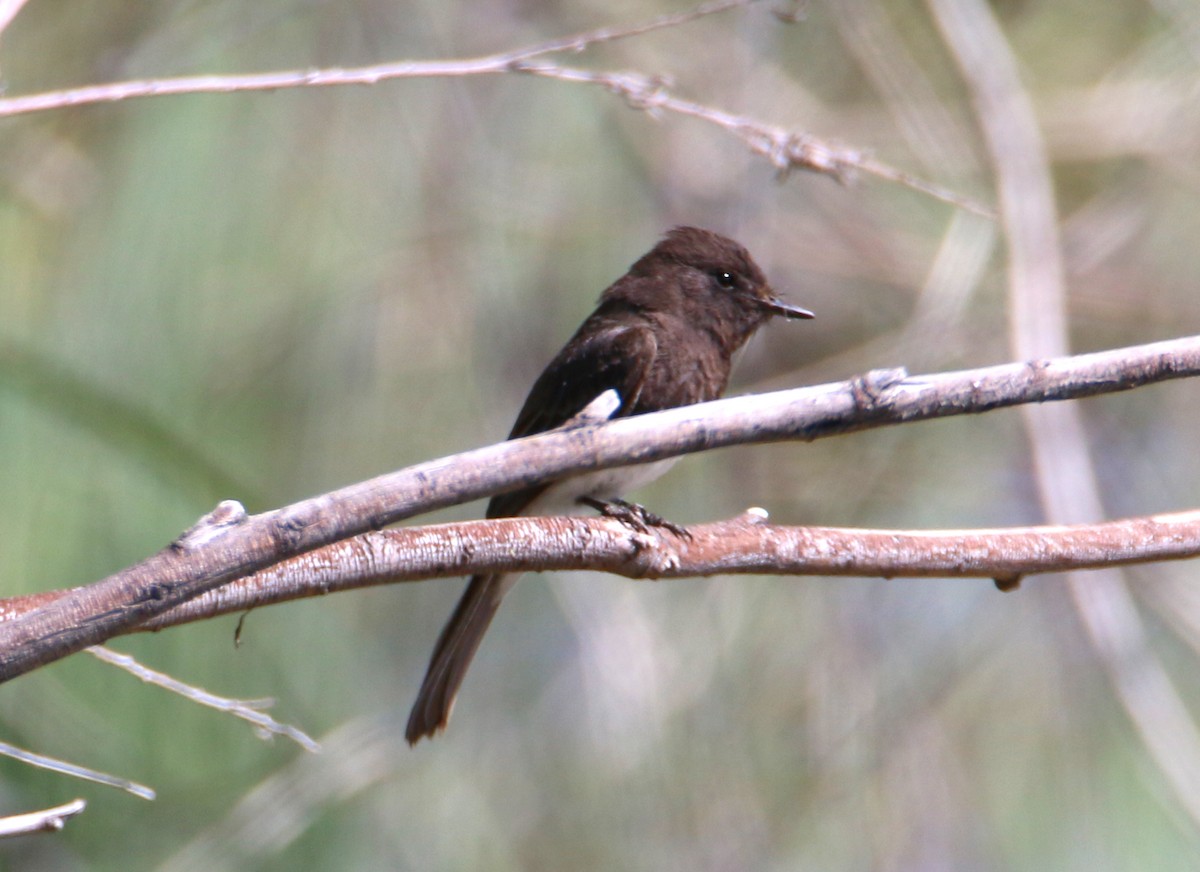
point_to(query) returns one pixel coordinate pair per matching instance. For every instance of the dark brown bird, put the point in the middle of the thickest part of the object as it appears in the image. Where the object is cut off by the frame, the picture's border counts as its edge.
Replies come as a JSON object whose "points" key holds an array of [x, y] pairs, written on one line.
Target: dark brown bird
{"points": [[663, 335]]}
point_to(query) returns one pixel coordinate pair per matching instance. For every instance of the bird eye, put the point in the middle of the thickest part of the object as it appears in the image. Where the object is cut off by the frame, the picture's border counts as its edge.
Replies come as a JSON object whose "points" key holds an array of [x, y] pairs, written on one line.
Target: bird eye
{"points": [[726, 280]]}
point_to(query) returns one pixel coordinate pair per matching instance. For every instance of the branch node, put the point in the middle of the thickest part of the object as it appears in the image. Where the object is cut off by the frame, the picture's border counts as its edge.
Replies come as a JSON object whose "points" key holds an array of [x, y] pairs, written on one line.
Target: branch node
{"points": [[868, 389], [755, 516], [788, 149], [289, 526], [227, 515], [1007, 583], [524, 65], [647, 93], [656, 555]]}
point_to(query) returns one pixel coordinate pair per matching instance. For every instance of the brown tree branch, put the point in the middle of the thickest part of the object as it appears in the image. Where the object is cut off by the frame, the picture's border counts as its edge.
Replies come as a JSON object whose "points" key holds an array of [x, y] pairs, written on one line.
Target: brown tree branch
{"points": [[747, 545], [228, 544]]}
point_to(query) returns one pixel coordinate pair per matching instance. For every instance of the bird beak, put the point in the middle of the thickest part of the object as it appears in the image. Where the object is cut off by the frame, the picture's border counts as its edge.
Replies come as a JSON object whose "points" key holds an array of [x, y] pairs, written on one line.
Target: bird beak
{"points": [[787, 310]]}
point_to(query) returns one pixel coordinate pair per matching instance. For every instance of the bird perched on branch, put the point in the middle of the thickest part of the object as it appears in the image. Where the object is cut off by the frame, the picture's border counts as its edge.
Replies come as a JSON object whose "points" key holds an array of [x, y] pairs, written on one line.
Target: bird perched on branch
{"points": [[663, 335]]}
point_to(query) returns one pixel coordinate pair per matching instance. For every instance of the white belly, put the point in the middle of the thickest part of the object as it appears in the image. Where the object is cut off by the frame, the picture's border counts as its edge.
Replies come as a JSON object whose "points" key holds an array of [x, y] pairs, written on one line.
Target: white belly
{"points": [[562, 497]]}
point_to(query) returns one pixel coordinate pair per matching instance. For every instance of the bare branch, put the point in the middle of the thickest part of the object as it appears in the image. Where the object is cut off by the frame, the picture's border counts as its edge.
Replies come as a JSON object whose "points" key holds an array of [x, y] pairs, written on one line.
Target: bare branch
{"points": [[493, 64], [249, 710], [240, 545], [746, 545], [53, 764], [48, 820], [786, 149]]}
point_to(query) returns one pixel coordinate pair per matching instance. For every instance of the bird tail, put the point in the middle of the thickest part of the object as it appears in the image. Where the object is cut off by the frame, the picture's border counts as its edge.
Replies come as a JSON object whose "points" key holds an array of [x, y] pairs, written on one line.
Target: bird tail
{"points": [[455, 649]]}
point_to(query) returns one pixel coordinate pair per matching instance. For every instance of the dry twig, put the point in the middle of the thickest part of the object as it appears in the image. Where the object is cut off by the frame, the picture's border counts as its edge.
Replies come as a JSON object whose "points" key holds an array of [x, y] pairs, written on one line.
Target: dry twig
{"points": [[48, 820], [786, 149]]}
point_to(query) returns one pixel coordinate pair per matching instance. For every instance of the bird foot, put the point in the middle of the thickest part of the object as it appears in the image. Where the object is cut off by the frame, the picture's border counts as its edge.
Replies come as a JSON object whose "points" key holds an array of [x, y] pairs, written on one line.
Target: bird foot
{"points": [[633, 515]]}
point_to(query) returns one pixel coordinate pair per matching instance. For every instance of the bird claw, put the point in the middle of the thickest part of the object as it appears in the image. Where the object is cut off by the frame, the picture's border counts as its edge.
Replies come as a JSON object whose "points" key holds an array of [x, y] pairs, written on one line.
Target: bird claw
{"points": [[633, 515]]}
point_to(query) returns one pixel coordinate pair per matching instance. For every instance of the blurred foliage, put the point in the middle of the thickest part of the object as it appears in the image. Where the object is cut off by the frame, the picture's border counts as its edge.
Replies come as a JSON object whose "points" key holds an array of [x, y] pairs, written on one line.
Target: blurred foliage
{"points": [[265, 295]]}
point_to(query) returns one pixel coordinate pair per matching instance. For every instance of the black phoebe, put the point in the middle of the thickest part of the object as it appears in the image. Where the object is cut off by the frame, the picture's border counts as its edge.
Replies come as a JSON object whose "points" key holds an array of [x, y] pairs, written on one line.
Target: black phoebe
{"points": [[663, 336]]}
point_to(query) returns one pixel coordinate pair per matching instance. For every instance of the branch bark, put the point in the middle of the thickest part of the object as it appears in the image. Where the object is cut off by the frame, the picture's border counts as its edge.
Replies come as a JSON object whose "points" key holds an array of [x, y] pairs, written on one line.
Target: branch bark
{"points": [[747, 545], [228, 544]]}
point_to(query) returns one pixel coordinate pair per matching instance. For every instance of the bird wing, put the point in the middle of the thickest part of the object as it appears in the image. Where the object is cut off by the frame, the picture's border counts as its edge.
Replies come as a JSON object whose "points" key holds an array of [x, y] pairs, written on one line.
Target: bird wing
{"points": [[618, 358]]}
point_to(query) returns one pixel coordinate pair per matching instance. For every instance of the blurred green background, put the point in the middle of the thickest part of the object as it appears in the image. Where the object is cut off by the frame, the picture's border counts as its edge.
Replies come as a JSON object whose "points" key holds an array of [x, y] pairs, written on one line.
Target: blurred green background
{"points": [[263, 296]]}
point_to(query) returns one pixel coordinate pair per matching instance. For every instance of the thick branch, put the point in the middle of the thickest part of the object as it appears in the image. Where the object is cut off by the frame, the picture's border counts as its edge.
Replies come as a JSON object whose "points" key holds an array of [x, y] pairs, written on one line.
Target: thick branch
{"points": [[230, 545], [747, 545]]}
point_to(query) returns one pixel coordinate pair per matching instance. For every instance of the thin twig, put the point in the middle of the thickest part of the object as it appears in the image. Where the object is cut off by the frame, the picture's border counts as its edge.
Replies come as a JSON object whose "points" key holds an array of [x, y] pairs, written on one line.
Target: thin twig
{"points": [[786, 149], [48, 820], [62, 767], [493, 64], [249, 710]]}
